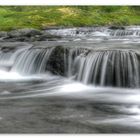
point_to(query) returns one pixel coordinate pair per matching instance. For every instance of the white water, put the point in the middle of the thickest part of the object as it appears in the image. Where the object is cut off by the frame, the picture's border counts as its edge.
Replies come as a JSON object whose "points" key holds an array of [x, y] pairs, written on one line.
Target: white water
{"points": [[93, 101], [105, 67], [98, 31]]}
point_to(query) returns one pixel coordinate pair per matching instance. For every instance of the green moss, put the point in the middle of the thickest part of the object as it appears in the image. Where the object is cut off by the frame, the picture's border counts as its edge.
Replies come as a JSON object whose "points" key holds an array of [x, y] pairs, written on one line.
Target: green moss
{"points": [[15, 17]]}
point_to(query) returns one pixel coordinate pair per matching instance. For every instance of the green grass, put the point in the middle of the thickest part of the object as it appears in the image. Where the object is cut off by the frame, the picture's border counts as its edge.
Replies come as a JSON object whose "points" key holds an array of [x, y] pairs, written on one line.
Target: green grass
{"points": [[16, 17]]}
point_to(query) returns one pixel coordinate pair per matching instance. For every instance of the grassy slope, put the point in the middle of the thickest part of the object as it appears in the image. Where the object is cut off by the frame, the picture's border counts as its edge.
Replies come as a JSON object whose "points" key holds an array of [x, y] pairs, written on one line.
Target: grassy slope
{"points": [[43, 16]]}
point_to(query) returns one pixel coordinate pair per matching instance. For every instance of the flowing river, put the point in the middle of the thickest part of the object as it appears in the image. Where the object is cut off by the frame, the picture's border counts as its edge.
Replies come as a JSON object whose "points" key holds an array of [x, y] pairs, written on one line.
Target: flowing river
{"points": [[87, 81]]}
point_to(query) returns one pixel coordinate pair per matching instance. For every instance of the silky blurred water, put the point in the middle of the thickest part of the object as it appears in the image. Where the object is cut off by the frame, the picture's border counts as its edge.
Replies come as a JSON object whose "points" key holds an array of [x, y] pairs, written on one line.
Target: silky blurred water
{"points": [[60, 105], [46, 103]]}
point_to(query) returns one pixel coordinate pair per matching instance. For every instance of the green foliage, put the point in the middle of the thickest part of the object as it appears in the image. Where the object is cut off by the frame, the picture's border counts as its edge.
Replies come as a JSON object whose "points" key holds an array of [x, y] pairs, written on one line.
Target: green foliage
{"points": [[15, 17], [109, 9]]}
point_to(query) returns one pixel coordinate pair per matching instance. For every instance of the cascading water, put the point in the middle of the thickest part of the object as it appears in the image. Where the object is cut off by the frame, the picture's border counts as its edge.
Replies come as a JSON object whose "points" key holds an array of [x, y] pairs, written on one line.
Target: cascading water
{"points": [[25, 61], [32, 61], [79, 81], [101, 67], [119, 68]]}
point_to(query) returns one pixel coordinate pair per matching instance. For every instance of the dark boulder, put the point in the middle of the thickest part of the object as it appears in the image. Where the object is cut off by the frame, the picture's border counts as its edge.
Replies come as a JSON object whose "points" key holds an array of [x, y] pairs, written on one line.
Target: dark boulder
{"points": [[56, 62], [117, 28]]}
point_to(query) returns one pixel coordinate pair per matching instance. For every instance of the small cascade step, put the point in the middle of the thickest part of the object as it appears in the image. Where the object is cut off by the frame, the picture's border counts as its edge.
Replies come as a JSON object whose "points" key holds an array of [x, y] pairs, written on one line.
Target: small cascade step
{"points": [[102, 67]]}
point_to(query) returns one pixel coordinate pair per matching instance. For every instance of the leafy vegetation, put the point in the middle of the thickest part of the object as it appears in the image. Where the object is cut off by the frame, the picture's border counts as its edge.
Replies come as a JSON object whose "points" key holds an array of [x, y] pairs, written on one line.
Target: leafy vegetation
{"points": [[15, 17]]}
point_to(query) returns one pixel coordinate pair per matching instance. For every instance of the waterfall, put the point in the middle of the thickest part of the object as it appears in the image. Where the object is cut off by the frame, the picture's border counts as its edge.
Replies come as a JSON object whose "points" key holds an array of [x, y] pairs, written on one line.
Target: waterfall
{"points": [[104, 62], [8, 58], [105, 67], [25, 61], [32, 61], [102, 67], [119, 68]]}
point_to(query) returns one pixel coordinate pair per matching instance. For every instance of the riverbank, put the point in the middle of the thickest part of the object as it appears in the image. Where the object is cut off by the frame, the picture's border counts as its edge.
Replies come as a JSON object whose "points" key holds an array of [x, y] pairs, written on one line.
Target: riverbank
{"points": [[42, 17]]}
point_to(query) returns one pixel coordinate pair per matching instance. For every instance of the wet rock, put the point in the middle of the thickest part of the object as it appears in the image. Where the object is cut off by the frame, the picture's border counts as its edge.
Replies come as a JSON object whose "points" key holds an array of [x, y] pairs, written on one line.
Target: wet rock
{"points": [[56, 63], [7, 49], [29, 35], [22, 35], [117, 28], [47, 37], [3, 34], [12, 46], [24, 32]]}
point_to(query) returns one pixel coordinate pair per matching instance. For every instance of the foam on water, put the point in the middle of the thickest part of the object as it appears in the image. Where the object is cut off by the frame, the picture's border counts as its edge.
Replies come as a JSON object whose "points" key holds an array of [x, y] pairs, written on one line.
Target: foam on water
{"points": [[99, 95]]}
